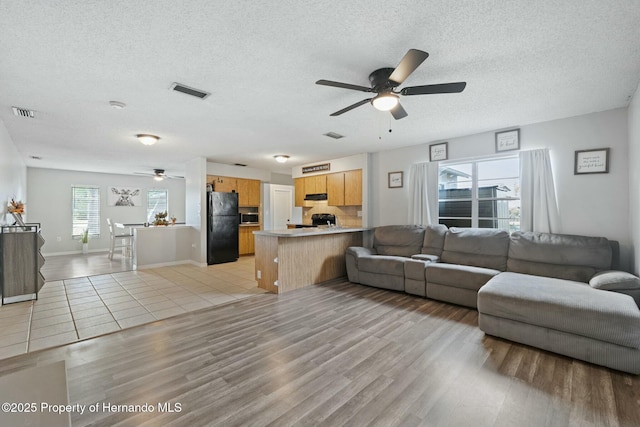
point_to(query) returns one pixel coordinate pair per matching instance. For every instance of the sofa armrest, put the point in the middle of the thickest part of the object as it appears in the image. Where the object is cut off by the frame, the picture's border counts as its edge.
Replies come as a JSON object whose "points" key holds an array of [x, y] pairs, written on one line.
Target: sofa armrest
{"points": [[426, 257], [611, 280], [351, 257], [358, 251]]}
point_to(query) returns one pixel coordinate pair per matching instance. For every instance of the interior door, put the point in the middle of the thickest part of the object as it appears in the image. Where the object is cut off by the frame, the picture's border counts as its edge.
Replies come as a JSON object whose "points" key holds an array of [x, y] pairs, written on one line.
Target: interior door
{"points": [[281, 206]]}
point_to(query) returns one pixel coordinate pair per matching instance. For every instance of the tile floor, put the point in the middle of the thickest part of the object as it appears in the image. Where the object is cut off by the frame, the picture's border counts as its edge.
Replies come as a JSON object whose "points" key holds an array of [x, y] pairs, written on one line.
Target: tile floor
{"points": [[74, 309]]}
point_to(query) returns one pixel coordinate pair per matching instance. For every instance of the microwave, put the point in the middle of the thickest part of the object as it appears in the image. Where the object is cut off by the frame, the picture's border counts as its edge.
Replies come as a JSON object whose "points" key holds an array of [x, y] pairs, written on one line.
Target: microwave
{"points": [[249, 218]]}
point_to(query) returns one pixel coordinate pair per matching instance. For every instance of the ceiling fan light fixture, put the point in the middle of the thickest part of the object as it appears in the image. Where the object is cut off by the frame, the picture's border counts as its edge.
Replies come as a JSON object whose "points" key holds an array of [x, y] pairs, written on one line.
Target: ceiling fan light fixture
{"points": [[385, 101], [147, 139], [281, 158], [158, 178]]}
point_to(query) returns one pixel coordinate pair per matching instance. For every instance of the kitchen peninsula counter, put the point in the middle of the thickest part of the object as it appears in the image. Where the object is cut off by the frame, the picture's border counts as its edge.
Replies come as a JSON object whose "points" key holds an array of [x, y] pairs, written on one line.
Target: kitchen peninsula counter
{"points": [[294, 258]]}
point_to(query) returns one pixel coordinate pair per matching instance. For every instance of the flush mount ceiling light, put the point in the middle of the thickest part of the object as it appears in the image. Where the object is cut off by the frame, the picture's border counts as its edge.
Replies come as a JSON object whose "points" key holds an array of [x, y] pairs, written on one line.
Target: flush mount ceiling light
{"points": [[385, 101], [281, 158], [147, 139]]}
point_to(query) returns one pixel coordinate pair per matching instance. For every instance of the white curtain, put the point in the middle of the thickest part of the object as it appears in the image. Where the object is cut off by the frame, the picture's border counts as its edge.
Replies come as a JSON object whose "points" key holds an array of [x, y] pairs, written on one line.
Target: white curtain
{"points": [[423, 193], [539, 209]]}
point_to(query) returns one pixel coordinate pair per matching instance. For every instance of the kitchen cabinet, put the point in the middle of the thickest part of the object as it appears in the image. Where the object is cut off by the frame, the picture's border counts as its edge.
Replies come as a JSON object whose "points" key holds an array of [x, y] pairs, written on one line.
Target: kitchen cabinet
{"points": [[315, 184], [299, 189], [353, 188], [248, 189], [247, 239], [345, 188], [223, 184]]}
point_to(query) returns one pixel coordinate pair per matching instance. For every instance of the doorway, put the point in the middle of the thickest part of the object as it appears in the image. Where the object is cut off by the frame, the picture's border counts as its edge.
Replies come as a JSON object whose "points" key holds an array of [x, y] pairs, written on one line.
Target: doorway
{"points": [[281, 206]]}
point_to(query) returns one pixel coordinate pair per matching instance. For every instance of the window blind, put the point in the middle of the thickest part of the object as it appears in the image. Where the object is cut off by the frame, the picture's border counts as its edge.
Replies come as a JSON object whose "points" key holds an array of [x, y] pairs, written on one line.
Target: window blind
{"points": [[157, 201], [85, 210]]}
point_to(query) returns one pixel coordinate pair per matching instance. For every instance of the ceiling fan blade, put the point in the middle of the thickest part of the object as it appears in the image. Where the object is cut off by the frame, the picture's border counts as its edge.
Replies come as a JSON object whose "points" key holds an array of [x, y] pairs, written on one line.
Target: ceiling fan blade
{"points": [[351, 107], [343, 85], [398, 112], [408, 65], [432, 89]]}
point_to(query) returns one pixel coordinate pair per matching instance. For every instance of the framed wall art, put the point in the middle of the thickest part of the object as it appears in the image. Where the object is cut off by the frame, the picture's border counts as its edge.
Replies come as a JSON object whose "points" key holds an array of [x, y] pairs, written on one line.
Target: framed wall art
{"points": [[395, 179], [438, 152], [124, 196], [508, 140], [591, 161]]}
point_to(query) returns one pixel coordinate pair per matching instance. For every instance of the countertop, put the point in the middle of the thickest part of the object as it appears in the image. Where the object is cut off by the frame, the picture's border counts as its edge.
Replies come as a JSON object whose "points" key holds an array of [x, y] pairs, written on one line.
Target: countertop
{"points": [[306, 232]]}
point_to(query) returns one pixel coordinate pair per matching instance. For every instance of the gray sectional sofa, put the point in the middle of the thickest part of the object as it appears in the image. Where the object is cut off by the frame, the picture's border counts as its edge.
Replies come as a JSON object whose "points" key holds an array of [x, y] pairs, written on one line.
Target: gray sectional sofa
{"points": [[561, 293]]}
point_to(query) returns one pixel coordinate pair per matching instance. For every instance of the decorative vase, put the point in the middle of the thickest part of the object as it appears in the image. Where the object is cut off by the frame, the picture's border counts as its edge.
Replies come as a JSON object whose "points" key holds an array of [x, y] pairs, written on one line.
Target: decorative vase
{"points": [[85, 248]]}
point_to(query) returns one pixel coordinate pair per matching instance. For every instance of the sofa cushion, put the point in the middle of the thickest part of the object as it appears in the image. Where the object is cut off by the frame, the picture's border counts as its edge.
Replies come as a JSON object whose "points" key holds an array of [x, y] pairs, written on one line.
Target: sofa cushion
{"points": [[561, 256], [382, 264], [562, 305], [479, 247], [398, 240], [459, 276], [434, 239]]}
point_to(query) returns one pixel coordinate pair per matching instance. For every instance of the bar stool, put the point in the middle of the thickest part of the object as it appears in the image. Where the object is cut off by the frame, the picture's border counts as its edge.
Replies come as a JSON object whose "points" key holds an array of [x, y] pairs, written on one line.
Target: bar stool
{"points": [[119, 240]]}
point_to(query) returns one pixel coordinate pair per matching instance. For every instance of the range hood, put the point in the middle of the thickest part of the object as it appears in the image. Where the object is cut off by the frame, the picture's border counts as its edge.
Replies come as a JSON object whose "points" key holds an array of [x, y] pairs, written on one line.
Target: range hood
{"points": [[318, 196]]}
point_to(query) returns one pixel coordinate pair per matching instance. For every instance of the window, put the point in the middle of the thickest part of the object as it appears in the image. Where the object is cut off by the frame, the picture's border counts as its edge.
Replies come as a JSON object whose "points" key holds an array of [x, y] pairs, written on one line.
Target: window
{"points": [[157, 201], [482, 193], [85, 207]]}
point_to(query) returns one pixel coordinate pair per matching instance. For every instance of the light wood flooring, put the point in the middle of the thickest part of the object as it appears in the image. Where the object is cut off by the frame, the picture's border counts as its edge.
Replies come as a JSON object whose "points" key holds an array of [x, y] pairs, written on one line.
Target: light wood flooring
{"points": [[331, 355]]}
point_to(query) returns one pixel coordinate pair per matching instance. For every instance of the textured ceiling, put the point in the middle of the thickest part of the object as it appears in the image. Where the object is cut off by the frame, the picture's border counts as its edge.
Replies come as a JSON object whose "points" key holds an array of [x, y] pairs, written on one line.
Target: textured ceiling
{"points": [[523, 61]]}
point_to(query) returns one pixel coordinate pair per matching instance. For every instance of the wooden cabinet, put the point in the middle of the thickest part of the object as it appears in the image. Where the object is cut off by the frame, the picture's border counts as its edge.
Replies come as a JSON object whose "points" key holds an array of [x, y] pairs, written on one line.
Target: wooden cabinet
{"points": [[299, 189], [246, 239], [315, 184], [335, 189], [345, 188], [223, 184], [248, 189], [353, 188]]}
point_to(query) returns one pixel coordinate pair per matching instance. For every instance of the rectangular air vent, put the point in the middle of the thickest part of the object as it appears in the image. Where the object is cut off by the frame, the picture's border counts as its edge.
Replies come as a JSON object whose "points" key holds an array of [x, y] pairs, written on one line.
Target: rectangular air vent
{"points": [[24, 112], [333, 135], [178, 87]]}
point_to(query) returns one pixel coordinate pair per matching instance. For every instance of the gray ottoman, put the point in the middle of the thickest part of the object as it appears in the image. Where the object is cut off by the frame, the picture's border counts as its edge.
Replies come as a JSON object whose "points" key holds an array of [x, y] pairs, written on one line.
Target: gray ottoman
{"points": [[563, 316]]}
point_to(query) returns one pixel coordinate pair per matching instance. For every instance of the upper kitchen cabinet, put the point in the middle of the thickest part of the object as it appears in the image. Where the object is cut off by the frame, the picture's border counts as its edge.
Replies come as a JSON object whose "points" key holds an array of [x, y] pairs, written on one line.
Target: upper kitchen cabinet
{"points": [[315, 184], [223, 184], [345, 188], [353, 188], [248, 189], [299, 191], [248, 192]]}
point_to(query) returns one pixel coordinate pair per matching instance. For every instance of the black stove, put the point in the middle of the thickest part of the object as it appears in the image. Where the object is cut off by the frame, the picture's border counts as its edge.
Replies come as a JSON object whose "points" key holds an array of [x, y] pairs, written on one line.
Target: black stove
{"points": [[323, 219]]}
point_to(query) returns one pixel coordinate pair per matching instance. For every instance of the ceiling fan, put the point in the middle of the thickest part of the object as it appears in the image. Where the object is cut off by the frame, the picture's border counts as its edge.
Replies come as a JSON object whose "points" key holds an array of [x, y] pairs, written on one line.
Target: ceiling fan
{"points": [[385, 81], [159, 175]]}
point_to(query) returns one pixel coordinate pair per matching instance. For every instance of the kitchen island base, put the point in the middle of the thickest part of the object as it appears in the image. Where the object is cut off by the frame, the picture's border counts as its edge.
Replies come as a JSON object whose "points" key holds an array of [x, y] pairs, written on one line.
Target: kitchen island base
{"points": [[293, 259]]}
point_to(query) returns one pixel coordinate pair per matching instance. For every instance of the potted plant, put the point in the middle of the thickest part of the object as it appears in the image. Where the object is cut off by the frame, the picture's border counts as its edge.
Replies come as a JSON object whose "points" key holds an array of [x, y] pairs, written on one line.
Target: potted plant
{"points": [[85, 241]]}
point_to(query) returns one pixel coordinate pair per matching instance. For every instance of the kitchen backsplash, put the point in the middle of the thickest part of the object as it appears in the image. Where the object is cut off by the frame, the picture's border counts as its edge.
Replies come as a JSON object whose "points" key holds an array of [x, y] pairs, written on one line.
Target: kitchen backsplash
{"points": [[347, 216]]}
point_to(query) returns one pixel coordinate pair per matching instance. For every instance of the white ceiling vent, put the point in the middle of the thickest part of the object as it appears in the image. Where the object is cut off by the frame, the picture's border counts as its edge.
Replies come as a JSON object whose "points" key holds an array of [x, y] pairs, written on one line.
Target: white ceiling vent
{"points": [[24, 112], [179, 87]]}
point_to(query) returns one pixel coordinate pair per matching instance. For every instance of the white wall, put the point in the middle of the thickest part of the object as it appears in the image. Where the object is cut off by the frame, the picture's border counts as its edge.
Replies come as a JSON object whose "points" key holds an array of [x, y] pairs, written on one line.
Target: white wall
{"points": [[237, 171], [13, 177], [634, 178], [49, 203], [589, 204], [196, 207]]}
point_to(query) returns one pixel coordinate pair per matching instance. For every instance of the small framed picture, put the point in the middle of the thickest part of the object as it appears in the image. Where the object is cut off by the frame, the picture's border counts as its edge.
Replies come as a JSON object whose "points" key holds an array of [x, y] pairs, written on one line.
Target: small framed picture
{"points": [[591, 161], [438, 152], [395, 179], [508, 140]]}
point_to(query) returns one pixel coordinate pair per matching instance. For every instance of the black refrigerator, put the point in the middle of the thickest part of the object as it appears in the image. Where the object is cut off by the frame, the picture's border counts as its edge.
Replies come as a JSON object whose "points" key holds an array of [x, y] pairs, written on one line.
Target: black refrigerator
{"points": [[222, 227]]}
